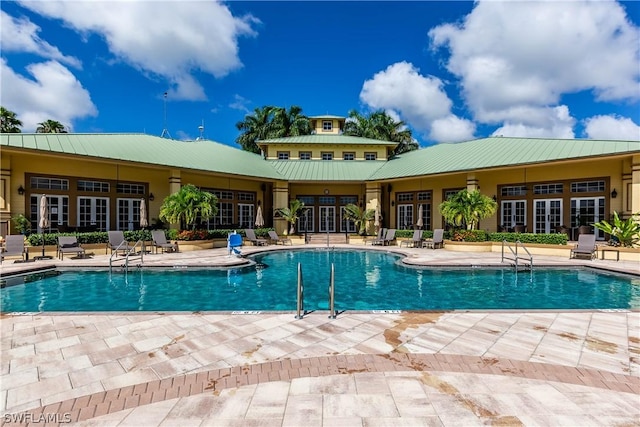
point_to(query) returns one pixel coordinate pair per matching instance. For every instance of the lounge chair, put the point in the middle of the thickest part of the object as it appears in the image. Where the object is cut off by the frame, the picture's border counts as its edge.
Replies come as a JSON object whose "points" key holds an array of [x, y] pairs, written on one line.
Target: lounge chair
{"points": [[160, 242], [273, 236], [118, 243], [379, 238], [69, 245], [415, 241], [13, 246], [251, 236], [586, 247], [437, 241], [389, 236]]}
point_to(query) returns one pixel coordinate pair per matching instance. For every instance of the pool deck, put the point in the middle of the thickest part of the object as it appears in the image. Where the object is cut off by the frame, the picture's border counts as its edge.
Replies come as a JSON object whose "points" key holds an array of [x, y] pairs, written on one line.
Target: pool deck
{"points": [[508, 367]]}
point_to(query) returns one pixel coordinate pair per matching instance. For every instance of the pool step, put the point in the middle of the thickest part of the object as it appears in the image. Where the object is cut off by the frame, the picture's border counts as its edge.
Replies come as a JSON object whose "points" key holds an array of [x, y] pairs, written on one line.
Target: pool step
{"points": [[321, 238]]}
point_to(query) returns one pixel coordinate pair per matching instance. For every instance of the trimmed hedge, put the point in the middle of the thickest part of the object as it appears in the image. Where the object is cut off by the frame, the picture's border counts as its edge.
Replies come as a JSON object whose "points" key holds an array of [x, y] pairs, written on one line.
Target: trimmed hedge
{"points": [[546, 239]]}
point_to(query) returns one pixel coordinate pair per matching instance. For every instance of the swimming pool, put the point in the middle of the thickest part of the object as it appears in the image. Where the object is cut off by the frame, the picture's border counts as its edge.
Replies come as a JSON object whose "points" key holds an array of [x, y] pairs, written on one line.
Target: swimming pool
{"points": [[364, 280]]}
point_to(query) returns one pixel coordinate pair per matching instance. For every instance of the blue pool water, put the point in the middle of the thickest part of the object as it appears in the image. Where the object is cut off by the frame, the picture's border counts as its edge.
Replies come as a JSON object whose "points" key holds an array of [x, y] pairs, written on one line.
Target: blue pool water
{"points": [[364, 280]]}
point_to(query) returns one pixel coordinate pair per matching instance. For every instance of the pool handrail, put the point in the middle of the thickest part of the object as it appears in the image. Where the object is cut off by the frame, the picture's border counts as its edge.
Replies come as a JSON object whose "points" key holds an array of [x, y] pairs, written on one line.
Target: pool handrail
{"points": [[332, 294], [300, 295], [517, 257]]}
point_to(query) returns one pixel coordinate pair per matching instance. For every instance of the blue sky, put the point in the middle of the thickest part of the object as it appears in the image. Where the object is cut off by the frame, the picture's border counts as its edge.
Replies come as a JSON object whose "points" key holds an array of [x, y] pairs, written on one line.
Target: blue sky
{"points": [[452, 71]]}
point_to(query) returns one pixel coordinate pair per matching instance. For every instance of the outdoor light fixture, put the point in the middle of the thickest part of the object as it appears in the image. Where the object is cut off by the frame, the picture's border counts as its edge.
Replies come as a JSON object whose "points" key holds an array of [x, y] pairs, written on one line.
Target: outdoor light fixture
{"points": [[393, 203], [151, 197], [495, 199], [614, 194], [21, 190]]}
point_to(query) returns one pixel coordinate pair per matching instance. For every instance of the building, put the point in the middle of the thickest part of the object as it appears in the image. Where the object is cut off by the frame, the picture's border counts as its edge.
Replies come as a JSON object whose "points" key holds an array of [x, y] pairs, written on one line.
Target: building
{"points": [[96, 181]]}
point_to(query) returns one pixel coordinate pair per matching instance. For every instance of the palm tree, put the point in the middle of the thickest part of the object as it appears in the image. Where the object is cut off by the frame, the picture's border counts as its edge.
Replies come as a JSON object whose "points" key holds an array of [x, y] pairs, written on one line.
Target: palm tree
{"points": [[51, 126], [292, 213], [290, 123], [359, 216], [9, 122], [256, 126], [467, 208], [380, 125], [187, 205]]}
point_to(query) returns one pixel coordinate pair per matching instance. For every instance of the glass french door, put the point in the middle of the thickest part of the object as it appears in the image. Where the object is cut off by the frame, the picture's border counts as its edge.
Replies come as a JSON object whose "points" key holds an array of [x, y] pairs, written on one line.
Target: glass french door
{"points": [[58, 207], [326, 219], [128, 215], [246, 216], [513, 212], [305, 220], [405, 217], [547, 215], [587, 211], [346, 225]]}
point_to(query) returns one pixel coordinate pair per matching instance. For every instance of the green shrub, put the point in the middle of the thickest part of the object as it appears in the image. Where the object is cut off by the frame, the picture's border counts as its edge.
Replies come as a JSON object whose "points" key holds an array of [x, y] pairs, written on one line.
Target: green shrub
{"points": [[547, 239]]}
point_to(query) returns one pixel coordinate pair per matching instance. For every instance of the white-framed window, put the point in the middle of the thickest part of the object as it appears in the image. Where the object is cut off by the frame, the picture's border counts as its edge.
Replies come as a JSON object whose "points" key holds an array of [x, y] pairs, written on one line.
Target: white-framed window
{"points": [[327, 219], [547, 215], [128, 188], [588, 187], [58, 207], [588, 211], [283, 155], [128, 214], [327, 156], [93, 186], [93, 212], [346, 225], [305, 155], [513, 190], [224, 217], [348, 156], [405, 217], [43, 183], [370, 156], [246, 217], [327, 125], [513, 212]]}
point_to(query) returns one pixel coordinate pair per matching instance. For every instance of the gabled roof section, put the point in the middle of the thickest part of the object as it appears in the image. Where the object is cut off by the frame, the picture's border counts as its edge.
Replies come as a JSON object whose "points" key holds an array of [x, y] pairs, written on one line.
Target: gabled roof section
{"points": [[327, 139], [199, 155], [497, 152], [328, 116], [325, 170]]}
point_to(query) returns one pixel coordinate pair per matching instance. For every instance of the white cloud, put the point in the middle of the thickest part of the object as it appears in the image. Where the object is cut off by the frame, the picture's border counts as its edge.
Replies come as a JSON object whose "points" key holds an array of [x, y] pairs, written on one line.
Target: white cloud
{"points": [[419, 100], [240, 103], [53, 93], [21, 35], [538, 123], [452, 129], [517, 56], [612, 127], [170, 39]]}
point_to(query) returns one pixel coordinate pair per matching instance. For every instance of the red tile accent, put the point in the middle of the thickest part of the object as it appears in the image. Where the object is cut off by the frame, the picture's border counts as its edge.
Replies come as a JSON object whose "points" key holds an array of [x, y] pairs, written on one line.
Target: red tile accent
{"points": [[102, 403]]}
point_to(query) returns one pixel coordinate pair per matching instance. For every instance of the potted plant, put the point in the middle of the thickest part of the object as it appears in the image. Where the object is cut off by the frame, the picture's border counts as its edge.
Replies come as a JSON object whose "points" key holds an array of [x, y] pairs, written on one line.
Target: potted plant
{"points": [[21, 224], [626, 232], [292, 213]]}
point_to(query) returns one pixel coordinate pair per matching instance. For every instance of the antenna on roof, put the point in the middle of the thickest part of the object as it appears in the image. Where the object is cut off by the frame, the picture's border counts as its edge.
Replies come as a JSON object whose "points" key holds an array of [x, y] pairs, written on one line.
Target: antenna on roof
{"points": [[201, 129], [165, 131]]}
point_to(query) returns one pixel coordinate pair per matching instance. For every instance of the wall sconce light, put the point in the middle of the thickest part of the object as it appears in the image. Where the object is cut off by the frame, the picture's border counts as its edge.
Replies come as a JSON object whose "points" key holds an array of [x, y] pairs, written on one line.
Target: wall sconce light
{"points": [[495, 198], [21, 190], [393, 203], [151, 197], [614, 194]]}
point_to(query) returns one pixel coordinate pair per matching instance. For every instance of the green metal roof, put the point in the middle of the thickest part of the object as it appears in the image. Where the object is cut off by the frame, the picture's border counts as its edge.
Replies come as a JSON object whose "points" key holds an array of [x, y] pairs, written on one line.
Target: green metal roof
{"points": [[326, 170], [497, 152], [328, 117], [199, 155], [327, 139]]}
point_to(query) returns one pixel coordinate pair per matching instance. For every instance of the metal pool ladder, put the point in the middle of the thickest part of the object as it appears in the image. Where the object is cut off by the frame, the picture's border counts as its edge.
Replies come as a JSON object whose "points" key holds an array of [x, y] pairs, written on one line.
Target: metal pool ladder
{"points": [[127, 256], [515, 257], [300, 311]]}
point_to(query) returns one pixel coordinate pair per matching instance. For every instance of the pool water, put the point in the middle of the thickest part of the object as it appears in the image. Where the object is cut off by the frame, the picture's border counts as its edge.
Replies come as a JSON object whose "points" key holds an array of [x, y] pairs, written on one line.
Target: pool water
{"points": [[364, 280]]}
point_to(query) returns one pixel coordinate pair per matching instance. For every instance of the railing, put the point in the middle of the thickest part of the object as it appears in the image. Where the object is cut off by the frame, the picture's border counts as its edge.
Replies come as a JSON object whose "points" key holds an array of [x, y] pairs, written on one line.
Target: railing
{"points": [[127, 255], [515, 256], [332, 297], [300, 305]]}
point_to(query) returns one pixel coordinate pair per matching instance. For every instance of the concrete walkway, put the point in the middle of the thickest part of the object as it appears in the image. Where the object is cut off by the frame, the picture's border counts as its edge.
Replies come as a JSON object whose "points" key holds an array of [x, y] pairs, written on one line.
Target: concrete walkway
{"points": [[362, 368]]}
